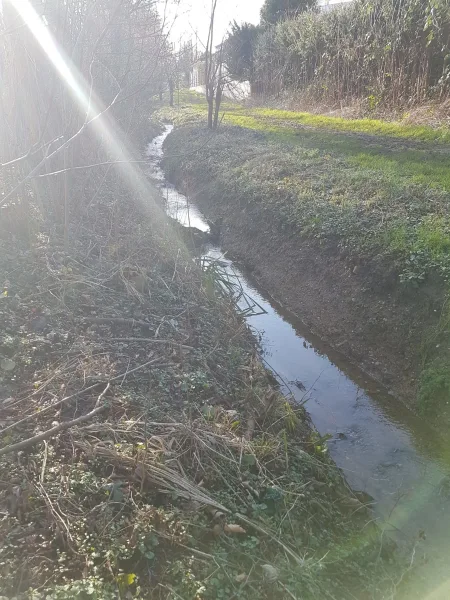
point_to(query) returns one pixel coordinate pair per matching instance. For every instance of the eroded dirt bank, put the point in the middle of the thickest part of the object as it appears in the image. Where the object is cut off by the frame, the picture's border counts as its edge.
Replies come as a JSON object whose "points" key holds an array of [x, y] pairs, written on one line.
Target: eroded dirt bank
{"points": [[376, 333], [353, 303]]}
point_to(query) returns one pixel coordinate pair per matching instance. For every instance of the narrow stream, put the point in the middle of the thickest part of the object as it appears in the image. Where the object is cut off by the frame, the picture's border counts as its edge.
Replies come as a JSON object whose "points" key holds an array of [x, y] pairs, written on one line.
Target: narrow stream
{"points": [[382, 448]]}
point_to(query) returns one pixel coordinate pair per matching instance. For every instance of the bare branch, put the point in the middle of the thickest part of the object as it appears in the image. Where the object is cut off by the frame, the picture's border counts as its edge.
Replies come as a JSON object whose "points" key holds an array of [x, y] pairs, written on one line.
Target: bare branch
{"points": [[102, 164], [54, 430], [84, 390]]}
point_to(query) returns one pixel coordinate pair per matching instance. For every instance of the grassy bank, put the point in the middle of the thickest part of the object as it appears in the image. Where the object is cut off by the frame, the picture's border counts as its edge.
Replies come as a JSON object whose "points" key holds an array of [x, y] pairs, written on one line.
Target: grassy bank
{"points": [[387, 147], [377, 127], [416, 153], [348, 196], [168, 465], [364, 126]]}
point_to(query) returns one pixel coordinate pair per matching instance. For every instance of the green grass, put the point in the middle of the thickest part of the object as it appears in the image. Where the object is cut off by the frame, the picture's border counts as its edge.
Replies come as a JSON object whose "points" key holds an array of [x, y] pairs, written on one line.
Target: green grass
{"points": [[419, 165], [365, 126], [425, 164], [289, 118], [332, 196], [355, 173]]}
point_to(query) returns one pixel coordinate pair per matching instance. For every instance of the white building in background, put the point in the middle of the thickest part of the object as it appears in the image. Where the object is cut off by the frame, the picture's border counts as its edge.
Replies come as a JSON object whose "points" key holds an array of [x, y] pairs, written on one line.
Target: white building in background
{"points": [[233, 89], [198, 74], [327, 5]]}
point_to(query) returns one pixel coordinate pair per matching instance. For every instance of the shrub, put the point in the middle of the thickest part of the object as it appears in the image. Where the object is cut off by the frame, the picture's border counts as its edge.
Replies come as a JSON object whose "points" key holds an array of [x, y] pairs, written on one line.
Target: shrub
{"points": [[386, 52], [434, 388]]}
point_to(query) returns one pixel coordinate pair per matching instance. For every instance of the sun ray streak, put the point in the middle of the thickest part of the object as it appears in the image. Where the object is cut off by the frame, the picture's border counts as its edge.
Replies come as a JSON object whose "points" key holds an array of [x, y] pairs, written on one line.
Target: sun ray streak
{"points": [[97, 115]]}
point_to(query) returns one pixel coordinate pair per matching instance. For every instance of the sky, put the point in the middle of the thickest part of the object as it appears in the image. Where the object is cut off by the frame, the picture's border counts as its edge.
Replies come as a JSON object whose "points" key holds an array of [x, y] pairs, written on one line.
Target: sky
{"points": [[192, 16]]}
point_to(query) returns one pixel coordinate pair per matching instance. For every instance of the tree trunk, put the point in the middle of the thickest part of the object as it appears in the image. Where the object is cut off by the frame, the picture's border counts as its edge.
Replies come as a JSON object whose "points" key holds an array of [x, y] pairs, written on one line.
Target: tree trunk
{"points": [[219, 93], [210, 113], [210, 100], [171, 89]]}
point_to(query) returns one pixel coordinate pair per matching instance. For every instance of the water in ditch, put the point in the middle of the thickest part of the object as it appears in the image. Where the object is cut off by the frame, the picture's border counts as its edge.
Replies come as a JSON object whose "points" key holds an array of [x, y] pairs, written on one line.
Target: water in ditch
{"points": [[382, 448]]}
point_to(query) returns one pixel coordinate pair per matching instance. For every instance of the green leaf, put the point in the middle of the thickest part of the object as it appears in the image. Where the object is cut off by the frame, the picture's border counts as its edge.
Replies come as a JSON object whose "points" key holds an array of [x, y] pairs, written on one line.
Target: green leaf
{"points": [[248, 460]]}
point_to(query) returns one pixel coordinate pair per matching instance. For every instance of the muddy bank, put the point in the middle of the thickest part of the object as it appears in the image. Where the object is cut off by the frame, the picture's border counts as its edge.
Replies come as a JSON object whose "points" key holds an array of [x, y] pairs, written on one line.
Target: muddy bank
{"points": [[376, 332], [354, 303]]}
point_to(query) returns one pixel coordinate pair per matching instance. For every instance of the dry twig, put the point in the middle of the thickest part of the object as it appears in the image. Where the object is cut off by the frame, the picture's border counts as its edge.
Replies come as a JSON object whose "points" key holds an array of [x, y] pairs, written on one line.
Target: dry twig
{"points": [[80, 392], [54, 430]]}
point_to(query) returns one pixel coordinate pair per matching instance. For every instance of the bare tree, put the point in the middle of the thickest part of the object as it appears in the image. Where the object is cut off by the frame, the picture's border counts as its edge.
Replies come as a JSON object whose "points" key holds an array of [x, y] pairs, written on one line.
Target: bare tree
{"points": [[214, 73], [60, 84]]}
